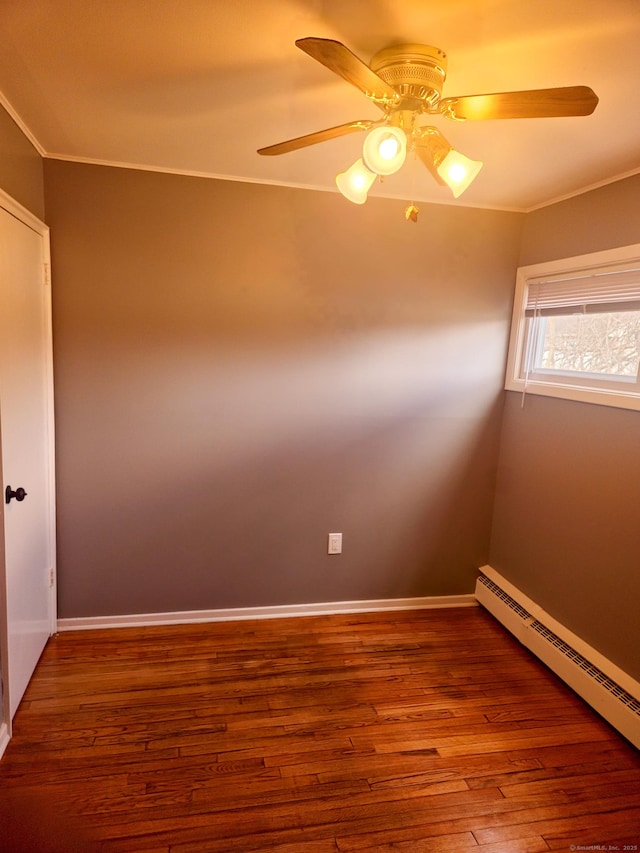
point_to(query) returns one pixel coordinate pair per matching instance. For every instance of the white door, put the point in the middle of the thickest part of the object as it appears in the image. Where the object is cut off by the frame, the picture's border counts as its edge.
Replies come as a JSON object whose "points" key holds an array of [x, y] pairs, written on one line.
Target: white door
{"points": [[26, 434]]}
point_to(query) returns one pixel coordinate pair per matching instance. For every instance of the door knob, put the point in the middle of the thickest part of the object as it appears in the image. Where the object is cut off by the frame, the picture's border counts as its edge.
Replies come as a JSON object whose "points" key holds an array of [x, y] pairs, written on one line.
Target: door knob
{"points": [[19, 494]]}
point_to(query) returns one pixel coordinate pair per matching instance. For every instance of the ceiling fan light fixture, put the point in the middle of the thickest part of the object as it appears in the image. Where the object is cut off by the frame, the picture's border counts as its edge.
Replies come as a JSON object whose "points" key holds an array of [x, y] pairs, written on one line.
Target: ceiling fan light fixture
{"points": [[385, 149], [355, 182], [458, 172], [446, 164], [405, 81]]}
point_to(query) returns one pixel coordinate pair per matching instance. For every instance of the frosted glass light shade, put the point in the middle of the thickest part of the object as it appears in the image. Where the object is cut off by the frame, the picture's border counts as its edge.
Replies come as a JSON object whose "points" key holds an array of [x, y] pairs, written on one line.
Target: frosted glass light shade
{"points": [[355, 182], [458, 171], [385, 149]]}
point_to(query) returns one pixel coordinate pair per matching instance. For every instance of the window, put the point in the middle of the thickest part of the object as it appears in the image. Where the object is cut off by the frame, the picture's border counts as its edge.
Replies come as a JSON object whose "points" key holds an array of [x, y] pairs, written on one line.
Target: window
{"points": [[576, 329]]}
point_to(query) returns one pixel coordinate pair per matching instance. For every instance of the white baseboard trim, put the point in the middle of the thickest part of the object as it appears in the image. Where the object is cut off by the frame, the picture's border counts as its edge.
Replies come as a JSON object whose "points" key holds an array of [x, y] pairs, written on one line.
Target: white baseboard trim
{"points": [[4, 738], [332, 608]]}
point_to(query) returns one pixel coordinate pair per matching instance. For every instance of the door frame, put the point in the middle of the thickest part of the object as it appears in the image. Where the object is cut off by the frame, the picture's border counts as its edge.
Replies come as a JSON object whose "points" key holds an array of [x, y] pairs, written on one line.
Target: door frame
{"points": [[13, 207]]}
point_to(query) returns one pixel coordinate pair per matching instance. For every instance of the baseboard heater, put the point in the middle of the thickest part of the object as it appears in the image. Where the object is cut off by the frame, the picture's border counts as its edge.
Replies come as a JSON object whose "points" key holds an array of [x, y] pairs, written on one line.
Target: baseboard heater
{"points": [[608, 689]]}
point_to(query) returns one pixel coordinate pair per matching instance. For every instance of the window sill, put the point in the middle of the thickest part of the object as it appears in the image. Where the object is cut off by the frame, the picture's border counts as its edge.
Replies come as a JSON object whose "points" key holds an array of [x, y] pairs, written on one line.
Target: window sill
{"points": [[580, 394]]}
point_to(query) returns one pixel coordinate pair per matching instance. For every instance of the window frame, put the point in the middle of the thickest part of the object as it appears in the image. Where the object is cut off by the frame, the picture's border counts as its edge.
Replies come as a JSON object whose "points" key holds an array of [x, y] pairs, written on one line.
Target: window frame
{"points": [[625, 394]]}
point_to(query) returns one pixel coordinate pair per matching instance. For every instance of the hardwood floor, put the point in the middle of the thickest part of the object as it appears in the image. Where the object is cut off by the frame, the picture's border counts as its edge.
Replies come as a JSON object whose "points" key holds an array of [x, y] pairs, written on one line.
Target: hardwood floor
{"points": [[415, 732]]}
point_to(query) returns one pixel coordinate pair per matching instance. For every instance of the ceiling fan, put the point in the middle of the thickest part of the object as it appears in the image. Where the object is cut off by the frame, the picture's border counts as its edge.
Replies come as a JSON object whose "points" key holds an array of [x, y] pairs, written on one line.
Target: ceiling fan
{"points": [[405, 83]]}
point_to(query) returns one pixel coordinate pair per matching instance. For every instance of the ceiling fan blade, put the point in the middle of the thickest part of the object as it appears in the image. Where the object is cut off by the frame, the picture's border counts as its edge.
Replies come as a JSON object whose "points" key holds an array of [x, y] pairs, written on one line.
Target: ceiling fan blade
{"points": [[339, 59], [318, 136], [534, 103]]}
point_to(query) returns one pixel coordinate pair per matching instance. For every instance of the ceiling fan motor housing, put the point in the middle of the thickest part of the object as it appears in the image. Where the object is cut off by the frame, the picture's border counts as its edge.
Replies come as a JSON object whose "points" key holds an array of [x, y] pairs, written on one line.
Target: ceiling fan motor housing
{"points": [[414, 70]]}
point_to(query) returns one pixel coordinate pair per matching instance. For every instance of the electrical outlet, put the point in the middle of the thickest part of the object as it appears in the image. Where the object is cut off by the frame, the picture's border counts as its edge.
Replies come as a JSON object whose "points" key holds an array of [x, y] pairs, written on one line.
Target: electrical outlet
{"points": [[335, 543]]}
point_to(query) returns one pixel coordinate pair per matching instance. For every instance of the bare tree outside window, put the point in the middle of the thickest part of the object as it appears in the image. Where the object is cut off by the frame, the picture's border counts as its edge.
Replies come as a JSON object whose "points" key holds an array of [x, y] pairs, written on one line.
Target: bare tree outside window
{"points": [[607, 343]]}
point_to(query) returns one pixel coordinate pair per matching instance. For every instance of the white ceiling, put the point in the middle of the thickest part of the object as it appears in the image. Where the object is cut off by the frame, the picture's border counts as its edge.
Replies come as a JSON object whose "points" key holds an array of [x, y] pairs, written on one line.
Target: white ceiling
{"points": [[197, 86]]}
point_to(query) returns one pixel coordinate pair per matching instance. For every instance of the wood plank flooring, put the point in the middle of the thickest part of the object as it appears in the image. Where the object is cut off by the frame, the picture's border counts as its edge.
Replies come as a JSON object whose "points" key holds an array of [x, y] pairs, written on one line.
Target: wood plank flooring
{"points": [[427, 731]]}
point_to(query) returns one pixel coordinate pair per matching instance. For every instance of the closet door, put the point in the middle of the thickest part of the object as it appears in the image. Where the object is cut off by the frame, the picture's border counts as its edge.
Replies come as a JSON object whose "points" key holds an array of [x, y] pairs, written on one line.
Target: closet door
{"points": [[26, 436]]}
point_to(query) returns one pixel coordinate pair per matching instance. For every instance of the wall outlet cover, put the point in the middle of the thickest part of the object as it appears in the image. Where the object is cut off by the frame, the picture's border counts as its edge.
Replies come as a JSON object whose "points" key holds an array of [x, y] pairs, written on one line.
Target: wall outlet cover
{"points": [[335, 543]]}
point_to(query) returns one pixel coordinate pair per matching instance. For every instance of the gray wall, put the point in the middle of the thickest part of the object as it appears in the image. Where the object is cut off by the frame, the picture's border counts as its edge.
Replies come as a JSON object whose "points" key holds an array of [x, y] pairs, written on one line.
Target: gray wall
{"points": [[20, 167], [566, 510], [591, 222], [241, 369]]}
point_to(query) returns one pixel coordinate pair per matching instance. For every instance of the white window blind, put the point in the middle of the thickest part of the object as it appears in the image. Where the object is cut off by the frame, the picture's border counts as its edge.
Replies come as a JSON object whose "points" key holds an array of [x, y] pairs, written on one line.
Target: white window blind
{"points": [[593, 291]]}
